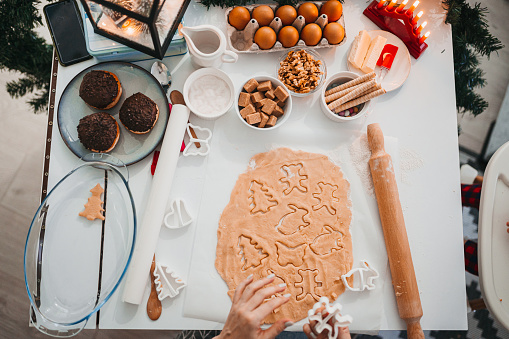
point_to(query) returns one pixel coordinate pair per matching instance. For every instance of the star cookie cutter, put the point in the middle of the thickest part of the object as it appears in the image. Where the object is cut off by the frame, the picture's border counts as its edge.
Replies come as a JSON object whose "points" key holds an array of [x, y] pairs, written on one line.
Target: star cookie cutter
{"points": [[178, 216], [168, 283], [203, 136], [366, 276], [331, 312]]}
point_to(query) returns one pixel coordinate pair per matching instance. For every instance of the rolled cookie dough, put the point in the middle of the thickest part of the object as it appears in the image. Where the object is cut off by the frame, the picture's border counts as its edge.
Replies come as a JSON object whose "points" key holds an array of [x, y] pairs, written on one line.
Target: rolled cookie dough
{"points": [[289, 214]]}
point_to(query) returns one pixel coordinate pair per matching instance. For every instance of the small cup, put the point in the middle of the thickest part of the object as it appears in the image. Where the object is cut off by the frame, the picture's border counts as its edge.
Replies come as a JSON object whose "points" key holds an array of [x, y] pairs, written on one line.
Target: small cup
{"points": [[338, 79], [287, 109]]}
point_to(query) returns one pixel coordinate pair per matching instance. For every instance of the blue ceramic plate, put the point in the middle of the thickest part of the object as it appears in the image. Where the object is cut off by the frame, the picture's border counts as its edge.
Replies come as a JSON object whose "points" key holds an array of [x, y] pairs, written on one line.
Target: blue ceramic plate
{"points": [[131, 147]]}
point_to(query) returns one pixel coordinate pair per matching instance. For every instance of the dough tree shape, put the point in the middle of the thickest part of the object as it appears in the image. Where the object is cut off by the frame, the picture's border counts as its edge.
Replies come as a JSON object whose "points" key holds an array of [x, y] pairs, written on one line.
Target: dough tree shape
{"points": [[252, 254], [290, 255], [308, 284], [294, 178], [326, 197], [293, 221], [325, 243], [261, 199], [93, 208]]}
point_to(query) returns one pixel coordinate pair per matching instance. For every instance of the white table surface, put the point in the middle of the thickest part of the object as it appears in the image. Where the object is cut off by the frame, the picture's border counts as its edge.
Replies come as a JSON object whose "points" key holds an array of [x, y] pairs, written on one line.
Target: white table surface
{"points": [[421, 114]]}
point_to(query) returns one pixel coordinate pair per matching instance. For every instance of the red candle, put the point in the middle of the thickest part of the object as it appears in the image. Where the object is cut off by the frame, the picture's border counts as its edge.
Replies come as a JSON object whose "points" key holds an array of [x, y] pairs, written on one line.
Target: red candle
{"points": [[391, 5], [416, 18], [419, 29], [421, 40], [380, 4], [400, 7], [410, 11]]}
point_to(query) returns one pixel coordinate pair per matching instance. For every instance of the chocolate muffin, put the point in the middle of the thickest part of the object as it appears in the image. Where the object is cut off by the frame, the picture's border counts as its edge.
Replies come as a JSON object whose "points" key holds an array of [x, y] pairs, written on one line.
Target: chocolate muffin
{"points": [[138, 113], [98, 132], [100, 89]]}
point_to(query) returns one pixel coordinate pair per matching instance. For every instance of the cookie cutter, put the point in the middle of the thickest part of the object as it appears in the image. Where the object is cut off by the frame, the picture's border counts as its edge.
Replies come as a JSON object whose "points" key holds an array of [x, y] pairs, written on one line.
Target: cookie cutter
{"points": [[202, 138], [168, 283], [331, 312], [178, 216], [366, 276]]}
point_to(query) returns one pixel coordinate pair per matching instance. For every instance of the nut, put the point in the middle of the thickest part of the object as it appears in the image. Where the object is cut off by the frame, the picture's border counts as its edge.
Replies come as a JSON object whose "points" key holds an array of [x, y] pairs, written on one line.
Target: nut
{"points": [[300, 72]]}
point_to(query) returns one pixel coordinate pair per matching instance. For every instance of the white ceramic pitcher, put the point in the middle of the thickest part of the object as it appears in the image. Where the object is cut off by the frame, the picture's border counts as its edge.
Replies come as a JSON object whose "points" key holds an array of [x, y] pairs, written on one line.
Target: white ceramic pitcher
{"points": [[207, 46]]}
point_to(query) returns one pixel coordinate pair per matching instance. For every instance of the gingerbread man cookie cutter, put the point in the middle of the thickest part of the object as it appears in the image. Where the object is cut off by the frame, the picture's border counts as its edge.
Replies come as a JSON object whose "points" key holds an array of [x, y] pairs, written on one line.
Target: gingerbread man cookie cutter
{"points": [[203, 136], [168, 283], [178, 215], [331, 312], [366, 276]]}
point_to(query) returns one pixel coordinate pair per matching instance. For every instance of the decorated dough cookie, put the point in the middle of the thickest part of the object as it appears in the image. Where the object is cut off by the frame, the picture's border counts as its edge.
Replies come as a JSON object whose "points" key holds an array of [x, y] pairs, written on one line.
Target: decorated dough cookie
{"points": [[289, 214]]}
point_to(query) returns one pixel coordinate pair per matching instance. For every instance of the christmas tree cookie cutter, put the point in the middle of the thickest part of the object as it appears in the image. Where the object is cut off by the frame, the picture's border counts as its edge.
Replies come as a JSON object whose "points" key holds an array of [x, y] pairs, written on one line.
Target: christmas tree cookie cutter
{"points": [[366, 275], [168, 283], [178, 215], [331, 312], [202, 138]]}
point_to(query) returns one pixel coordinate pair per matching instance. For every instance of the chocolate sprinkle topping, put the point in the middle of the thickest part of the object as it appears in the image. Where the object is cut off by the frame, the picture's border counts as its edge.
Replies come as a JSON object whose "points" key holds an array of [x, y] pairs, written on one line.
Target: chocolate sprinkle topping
{"points": [[99, 89], [97, 131], [138, 113]]}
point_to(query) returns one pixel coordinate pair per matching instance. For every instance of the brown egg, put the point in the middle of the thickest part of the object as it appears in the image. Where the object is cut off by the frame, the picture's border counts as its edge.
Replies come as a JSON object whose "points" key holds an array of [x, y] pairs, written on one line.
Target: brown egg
{"points": [[263, 14], [311, 34], [334, 33], [309, 11], [265, 37], [239, 17], [288, 36], [287, 14], [333, 9]]}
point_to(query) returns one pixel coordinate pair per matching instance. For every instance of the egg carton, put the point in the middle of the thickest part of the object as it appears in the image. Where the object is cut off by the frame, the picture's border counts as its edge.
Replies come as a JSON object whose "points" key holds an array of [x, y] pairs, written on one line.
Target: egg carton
{"points": [[243, 41]]}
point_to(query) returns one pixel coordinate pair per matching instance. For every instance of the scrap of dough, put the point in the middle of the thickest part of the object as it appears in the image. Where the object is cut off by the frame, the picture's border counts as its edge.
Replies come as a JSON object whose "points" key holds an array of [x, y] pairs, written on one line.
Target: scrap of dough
{"points": [[93, 208], [304, 251]]}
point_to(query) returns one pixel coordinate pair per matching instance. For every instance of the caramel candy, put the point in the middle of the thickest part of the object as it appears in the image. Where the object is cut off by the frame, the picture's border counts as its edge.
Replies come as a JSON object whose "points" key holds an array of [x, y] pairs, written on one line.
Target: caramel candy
{"points": [[278, 112], [280, 103], [270, 94], [268, 106], [251, 85], [249, 109], [281, 94], [272, 122], [257, 97], [258, 104], [265, 86], [265, 118], [254, 118], [244, 99]]}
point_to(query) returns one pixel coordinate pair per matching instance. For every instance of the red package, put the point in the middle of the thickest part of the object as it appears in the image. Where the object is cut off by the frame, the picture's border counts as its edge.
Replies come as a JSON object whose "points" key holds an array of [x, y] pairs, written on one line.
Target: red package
{"points": [[387, 56]]}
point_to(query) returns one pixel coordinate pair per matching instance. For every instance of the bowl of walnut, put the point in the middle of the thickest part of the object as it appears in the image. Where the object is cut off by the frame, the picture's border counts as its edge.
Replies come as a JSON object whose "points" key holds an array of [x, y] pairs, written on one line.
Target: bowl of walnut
{"points": [[263, 103], [301, 70]]}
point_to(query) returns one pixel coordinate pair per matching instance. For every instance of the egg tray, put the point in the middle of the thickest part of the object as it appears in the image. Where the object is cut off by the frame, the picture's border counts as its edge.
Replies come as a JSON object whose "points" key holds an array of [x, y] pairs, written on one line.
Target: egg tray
{"points": [[243, 41]]}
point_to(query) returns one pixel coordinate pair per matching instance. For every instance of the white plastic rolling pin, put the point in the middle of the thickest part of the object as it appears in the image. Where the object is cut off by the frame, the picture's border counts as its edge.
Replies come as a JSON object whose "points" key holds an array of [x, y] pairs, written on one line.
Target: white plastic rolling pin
{"points": [[148, 233]]}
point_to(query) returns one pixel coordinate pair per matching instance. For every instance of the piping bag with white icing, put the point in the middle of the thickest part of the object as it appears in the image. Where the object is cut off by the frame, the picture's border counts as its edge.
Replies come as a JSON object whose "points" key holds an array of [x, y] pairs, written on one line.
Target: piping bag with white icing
{"points": [[148, 233]]}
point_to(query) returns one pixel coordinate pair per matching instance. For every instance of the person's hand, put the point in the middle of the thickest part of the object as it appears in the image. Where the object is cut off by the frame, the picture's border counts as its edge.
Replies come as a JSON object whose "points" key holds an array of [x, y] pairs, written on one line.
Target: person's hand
{"points": [[248, 310], [309, 329]]}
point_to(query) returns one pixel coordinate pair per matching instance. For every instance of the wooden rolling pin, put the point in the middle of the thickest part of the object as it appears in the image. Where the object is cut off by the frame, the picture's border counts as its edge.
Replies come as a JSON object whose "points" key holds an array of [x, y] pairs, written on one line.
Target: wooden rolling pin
{"points": [[396, 240]]}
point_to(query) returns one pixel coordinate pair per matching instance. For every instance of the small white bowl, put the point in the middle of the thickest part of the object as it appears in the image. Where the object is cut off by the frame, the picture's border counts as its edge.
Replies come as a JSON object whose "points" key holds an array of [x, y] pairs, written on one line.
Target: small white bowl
{"points": [[287, 109], [195, 76], [341, 78]]}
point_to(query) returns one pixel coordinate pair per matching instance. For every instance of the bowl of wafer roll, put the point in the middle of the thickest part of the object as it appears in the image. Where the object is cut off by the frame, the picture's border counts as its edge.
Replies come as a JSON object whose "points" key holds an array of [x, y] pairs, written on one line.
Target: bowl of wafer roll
{"points": [[347, 96]]}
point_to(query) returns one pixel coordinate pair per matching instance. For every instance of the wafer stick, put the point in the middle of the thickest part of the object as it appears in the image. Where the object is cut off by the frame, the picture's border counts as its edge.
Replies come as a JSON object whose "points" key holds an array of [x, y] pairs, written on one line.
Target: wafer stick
{"points": [[337, 95], [366, 92], [352, 95], [360, 100], [351, 83]]}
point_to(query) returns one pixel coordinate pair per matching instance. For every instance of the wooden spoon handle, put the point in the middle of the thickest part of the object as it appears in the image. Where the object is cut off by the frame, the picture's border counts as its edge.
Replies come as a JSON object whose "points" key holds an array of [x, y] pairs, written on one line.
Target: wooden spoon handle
{"points": [[154, 307]]}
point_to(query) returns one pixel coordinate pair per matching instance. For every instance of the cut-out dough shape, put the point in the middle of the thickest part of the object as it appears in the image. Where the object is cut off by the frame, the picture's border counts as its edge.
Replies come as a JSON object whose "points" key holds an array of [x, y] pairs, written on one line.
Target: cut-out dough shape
{"points": [[293, 221], [327, 242], [93, 208], [332, 312], [326, 197], [290, 255], [203, 136], [261, 199], [178, 215], [252, 254], [365, 274], [294, 178], [308, 284], [168, 283]]}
